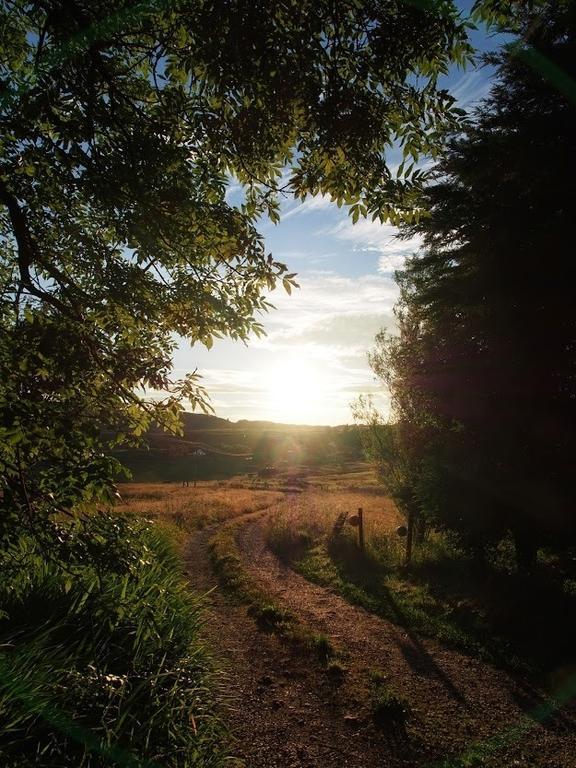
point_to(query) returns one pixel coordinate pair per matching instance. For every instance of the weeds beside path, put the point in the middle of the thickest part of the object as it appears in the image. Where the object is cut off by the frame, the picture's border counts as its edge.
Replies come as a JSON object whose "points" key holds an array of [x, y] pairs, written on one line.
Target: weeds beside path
{"points": [[287, 711]]}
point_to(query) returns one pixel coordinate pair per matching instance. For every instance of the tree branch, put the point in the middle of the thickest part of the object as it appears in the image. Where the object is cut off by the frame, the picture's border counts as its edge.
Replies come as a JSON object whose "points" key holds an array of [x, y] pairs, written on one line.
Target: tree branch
{"points": [[28, 253]]}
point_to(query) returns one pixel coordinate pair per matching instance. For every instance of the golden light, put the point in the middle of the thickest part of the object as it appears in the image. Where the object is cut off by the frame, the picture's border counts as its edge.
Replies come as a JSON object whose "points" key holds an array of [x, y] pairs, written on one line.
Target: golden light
{"points": [[296, 391]]}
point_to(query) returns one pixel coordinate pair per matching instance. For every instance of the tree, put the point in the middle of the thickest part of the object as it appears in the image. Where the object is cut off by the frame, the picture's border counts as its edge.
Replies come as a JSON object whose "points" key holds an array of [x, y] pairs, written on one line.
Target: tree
{"points": [[122, 123], [485, 359], [383, 447], [399, 446]]}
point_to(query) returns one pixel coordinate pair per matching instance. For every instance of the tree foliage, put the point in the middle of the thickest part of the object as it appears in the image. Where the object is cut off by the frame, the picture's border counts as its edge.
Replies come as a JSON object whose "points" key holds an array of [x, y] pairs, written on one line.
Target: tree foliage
{"points": [[483, 373], [122, 124]]}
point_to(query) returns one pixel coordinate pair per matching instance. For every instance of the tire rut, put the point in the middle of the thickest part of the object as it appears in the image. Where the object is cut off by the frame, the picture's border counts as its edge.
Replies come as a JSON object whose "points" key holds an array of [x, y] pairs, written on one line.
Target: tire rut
{"points": [[455, 701], [282, 709]]}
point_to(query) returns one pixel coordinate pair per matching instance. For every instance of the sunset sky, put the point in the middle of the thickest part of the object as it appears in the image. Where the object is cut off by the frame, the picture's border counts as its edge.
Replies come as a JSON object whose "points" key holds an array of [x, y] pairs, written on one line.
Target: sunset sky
{"points": [[313, 362]]}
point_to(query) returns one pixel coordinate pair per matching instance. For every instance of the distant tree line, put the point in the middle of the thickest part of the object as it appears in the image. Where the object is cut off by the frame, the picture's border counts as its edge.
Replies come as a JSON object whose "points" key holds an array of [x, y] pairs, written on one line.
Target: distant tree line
{"points": [[483, 372]]}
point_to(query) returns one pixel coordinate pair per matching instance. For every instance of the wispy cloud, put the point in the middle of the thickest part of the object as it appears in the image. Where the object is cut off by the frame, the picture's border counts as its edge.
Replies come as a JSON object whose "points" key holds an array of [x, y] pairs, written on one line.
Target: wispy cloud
{"points": [[331, 318], [471, 87], [326, 293], [314, 203], [382, 238], [231, 381], [336, 334]]}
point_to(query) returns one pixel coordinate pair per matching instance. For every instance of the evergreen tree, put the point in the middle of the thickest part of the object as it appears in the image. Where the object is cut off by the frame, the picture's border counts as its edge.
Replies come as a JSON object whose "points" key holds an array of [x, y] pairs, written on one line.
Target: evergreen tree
{"points": [[483, 375]]}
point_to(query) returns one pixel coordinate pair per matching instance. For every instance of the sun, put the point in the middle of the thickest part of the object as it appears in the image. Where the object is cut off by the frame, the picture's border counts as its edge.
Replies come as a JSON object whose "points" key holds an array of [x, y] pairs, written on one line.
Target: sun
{"points": [[295, 390]]}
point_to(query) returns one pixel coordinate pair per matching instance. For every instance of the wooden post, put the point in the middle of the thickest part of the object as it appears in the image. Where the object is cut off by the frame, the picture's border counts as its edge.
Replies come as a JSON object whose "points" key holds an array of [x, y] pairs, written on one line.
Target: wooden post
{"points": [[410, 535], [361, 529]]}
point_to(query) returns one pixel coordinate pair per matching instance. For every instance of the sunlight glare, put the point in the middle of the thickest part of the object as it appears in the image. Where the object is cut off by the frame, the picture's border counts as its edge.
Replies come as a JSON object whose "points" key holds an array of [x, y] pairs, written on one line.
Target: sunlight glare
{"points": [[296, 391]]}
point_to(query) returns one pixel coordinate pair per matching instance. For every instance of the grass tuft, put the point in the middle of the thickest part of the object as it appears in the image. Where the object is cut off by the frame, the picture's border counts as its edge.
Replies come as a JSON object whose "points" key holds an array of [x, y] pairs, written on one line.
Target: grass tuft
{"points": [[388, 708], [271, 618], [104, 668], [336, 669]]}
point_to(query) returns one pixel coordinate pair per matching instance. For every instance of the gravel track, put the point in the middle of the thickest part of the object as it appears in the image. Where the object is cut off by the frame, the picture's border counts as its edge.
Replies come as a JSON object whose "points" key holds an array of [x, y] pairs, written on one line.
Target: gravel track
{"points": [[285, 710]]}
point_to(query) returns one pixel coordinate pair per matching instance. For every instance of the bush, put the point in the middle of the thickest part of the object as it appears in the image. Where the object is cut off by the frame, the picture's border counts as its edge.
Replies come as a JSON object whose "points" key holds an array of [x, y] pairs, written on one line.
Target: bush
{"points": [[103, 666]]}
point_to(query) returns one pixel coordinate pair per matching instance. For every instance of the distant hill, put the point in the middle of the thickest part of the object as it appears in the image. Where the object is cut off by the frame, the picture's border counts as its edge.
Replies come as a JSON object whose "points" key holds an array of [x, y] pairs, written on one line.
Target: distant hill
{"points": [[195, 421], [204, 420], [212, 447], [247, 424]]}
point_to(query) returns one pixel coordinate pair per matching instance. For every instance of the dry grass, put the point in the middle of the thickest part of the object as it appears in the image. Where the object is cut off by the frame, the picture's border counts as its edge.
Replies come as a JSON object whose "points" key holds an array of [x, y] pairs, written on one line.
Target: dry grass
{"points": [[314, 513], [356, 477], [353, 476], [192, 507]]}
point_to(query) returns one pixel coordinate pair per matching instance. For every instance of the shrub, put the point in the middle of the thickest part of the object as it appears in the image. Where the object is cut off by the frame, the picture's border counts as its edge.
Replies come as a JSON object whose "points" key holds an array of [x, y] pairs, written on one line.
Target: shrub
{"points": [[103, 666]]}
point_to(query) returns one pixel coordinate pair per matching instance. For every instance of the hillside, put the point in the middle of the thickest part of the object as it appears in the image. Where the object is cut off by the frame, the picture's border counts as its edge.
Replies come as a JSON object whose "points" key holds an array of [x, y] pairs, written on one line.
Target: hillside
{"points": [[211, 447]]}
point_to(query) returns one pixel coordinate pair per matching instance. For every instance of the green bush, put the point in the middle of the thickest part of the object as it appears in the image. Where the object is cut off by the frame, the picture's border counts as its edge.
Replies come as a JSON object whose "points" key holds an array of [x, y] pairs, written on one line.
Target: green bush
{"points": [[100, 659]]}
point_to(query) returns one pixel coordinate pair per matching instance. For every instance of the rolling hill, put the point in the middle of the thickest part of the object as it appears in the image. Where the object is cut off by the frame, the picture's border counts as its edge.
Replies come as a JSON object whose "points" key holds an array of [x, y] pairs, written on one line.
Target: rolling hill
{"points": [[211, 447]]}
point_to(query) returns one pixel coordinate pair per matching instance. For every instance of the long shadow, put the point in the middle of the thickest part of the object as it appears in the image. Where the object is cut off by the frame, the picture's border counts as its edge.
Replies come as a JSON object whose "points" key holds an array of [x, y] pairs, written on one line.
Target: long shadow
{"points": [[548, 710], [355, 568], [536, 615], [555, 711], [416, 654]]}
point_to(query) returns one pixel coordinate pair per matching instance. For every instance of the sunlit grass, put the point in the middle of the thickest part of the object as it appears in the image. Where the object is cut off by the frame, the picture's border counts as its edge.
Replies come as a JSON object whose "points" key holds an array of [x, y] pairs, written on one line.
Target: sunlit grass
{"points": [[495, 615], [192, 507], [311, 517], [433, 597]]}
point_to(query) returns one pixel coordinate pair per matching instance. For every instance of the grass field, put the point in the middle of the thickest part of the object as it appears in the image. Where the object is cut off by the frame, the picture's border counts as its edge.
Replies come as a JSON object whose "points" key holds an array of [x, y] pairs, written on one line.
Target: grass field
{"points": [[498, 615], [310, 517], [192, 507]]}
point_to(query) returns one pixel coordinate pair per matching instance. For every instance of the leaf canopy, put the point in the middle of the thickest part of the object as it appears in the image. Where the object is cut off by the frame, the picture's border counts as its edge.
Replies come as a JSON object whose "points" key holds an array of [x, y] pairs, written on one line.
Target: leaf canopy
{"points": [[122, 123]]}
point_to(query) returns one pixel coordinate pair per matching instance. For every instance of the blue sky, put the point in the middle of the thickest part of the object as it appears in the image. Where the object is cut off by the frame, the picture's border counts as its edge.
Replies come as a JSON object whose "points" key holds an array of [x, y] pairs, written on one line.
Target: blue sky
{"points": [[313, 362]]}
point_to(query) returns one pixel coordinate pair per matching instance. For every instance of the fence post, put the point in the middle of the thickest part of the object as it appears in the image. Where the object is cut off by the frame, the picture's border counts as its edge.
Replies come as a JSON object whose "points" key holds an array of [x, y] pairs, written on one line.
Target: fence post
{"points": [[409, 536], [361, 529]]}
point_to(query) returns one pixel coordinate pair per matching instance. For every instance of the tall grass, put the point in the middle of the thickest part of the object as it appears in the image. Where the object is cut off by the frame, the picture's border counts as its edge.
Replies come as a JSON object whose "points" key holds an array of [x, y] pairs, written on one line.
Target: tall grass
{"points": [[103, 665], [190, 508]]}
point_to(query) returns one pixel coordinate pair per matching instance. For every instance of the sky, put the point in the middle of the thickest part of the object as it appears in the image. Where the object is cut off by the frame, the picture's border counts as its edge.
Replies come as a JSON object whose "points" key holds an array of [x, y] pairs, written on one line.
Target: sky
{"points": [[313, 362]]}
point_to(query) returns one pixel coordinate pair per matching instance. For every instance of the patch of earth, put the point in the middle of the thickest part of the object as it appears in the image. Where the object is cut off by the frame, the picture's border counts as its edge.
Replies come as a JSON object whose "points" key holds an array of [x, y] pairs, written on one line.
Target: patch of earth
{"points": [[285, 710], [282, 708]]}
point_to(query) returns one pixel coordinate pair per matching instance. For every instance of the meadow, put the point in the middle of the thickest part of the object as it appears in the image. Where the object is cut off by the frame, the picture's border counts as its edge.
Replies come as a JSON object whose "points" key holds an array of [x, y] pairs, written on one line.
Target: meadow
{"points": [[192, 507], [113, 664], [496, 615]]}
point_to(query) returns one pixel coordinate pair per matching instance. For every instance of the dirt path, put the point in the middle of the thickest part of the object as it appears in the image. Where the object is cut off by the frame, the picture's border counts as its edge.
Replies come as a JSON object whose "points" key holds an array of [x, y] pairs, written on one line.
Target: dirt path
{"points": [[286, 711]]}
